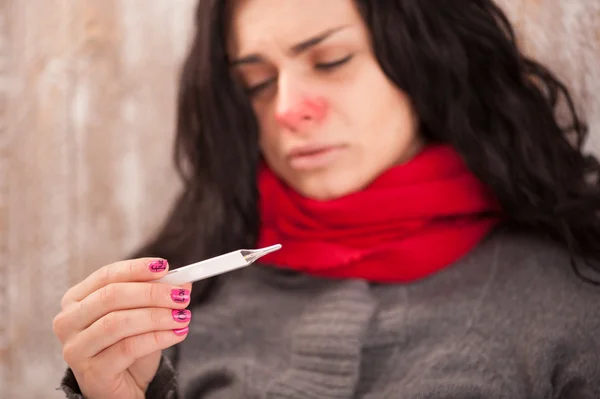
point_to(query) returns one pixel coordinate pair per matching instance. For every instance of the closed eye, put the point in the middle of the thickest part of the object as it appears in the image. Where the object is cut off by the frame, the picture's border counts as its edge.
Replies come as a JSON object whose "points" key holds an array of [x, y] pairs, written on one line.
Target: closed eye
{"points": [[323, 66], [334, 64], [253, 90]]}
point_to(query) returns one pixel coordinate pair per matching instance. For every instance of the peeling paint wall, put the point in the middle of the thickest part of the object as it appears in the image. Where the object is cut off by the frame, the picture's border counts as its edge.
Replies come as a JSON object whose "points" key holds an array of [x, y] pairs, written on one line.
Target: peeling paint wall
{"points": [[87, 93]]}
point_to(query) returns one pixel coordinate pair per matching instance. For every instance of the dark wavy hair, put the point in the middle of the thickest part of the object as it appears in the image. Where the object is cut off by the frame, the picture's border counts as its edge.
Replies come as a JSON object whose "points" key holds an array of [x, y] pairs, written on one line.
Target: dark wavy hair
{"points": [[471, 87]]}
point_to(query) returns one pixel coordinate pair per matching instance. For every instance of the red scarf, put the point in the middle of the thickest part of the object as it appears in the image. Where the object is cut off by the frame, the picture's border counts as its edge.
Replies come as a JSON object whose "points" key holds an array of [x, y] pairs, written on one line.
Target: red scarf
{"points": [[413, 220]]}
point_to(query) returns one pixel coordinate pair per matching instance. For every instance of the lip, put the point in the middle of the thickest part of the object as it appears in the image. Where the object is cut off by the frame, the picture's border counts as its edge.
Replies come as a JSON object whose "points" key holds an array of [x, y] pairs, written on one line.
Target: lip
{"points": [[311, 157]]}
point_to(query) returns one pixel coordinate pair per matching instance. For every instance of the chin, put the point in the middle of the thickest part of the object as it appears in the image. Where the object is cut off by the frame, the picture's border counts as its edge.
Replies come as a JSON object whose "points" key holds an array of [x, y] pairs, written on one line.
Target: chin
{"points": [[326, 189]]}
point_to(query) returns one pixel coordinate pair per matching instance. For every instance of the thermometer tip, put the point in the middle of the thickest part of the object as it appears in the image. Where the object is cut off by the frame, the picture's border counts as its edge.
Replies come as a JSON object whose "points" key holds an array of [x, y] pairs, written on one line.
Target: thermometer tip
{"points": [[254, 254]]}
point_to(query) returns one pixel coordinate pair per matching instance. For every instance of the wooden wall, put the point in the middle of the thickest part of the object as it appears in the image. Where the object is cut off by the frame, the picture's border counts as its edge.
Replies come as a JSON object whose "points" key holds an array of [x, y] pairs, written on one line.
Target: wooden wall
{"points": [[86, 120], [87, 115]]}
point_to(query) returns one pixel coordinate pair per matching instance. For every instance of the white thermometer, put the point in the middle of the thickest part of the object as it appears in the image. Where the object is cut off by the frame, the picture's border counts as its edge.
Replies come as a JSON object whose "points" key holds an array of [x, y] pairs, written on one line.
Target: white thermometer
{"points": [[217, 265]]}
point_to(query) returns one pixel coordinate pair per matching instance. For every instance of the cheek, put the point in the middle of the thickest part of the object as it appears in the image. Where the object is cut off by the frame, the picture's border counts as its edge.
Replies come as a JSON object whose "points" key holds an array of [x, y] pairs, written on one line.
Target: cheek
{"points": [[369, 100], [391, 107], [388, 129], [269, 137]]}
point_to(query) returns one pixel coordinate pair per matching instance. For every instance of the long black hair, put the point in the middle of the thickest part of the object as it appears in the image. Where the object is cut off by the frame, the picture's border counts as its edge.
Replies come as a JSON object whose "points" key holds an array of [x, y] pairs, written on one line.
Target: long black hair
{"points": [[471, 87]]}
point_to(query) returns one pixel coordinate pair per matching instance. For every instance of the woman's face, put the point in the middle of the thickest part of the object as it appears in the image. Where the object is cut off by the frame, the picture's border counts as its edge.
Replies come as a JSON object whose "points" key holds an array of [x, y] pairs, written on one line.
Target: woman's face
{"points": [[330, 121]]}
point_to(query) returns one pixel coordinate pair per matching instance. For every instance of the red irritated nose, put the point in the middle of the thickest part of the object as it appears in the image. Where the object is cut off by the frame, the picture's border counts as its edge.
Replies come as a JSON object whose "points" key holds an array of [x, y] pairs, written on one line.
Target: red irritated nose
{"points": [[306, 111]]}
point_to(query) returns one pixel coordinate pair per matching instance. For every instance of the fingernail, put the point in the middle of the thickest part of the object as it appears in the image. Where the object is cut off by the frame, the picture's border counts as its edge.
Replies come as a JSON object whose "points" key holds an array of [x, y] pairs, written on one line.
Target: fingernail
{"points": [[181, 315], [158, 266], [181, 331], [180, 295]]}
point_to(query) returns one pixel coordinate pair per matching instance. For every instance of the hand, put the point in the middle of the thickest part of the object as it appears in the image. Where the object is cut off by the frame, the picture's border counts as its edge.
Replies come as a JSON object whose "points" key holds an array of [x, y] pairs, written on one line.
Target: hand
{"points": [[114, 324]]}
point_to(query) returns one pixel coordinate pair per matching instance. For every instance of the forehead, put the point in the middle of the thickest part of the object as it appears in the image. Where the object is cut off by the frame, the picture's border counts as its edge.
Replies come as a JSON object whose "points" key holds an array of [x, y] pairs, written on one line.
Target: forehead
{"points": [[256, 23]]}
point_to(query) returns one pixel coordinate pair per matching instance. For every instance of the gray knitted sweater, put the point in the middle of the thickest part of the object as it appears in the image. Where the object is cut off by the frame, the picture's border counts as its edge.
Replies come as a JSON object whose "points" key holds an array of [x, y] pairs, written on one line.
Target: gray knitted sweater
{"points": [[510, 320]]}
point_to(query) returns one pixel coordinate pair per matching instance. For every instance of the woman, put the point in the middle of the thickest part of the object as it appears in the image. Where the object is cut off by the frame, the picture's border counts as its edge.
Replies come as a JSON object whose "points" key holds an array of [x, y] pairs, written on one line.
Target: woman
{"points": [[440, 228]]}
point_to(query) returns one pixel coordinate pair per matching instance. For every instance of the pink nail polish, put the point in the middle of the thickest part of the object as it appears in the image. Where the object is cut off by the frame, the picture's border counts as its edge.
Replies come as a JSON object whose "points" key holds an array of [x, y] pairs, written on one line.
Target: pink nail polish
{"points": [[158, 266], [180, 295], [181, 331], [181, 315]]}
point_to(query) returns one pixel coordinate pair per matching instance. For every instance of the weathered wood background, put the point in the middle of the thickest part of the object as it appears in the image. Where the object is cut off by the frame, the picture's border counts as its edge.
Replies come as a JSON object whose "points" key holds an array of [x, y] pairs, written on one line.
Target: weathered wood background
{"points": [[87, 93]]}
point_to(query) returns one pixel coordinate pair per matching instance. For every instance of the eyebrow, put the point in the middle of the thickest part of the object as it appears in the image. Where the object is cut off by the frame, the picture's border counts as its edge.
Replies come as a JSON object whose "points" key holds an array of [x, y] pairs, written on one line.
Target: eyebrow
{"points": [[296, 49]]}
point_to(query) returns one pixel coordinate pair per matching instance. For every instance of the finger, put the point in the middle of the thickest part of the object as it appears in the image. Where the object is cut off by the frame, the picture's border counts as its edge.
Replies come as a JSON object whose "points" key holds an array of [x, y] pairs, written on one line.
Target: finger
{"points": [[134, 270], [120, 356], [122, 296], [122, 324]]}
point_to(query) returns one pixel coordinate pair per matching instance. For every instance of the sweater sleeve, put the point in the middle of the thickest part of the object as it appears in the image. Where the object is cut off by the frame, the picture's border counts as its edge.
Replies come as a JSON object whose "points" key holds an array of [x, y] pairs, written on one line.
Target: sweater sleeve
{"points": [[163, 386], [581, 376], [578, 375]]}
